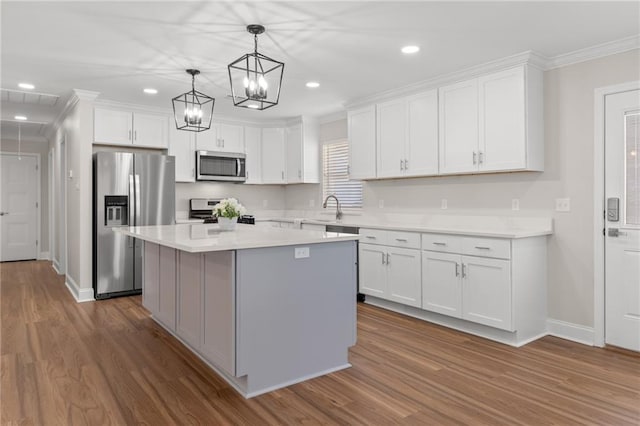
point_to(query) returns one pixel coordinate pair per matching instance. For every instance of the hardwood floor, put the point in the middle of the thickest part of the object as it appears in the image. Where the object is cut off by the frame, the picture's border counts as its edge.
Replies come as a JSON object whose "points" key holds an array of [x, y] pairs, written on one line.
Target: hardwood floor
{"points": [[107, 362]]}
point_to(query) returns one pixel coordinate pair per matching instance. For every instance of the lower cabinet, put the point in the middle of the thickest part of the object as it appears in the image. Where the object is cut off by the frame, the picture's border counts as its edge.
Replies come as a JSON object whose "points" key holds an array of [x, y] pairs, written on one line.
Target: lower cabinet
{"points": [[189, 315], [159, 289], [442, 283]]}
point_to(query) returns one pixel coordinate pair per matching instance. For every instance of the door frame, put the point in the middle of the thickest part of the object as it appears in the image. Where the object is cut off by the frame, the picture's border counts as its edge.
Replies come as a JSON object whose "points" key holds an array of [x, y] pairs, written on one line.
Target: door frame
{"points": [[599, 204], [38, 196]]}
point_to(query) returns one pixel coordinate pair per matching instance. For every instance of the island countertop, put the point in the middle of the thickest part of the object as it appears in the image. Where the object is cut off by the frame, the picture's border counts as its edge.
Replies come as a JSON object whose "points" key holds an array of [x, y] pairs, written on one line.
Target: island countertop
{"points": [[198, 238]]}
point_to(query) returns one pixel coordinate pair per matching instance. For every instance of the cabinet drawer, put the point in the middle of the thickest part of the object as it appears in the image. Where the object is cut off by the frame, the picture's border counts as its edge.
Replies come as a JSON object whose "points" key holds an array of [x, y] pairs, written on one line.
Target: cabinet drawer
{"points": [[442, 242], [373, 236], [403, 239], [487, 247]]}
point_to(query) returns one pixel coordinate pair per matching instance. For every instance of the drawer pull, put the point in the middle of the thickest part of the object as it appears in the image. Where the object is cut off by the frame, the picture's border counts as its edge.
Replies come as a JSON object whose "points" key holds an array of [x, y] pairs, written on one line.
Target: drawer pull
{"points": [[370, 236], [457, 269], [440, 244], [483, 248], [404, 240]]}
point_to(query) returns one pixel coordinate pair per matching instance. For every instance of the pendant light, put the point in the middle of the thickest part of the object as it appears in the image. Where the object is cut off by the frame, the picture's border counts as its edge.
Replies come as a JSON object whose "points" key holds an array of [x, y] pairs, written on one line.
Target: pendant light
{"points": [[193, 110], [255, 78]]}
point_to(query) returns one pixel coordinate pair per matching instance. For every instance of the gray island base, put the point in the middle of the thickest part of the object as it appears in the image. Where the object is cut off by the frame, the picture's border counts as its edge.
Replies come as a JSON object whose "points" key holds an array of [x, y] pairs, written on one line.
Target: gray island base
{"points": [[263, 318]]}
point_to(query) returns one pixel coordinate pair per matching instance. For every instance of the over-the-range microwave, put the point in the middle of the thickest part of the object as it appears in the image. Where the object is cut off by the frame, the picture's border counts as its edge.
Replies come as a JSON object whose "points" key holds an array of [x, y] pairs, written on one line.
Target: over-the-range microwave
{"points": [[221, 166]]}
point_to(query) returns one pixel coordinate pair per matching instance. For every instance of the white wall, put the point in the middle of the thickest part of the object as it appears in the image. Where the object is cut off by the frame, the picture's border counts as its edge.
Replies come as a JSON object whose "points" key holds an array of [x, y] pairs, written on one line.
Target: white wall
{"points": [[569, 138]]}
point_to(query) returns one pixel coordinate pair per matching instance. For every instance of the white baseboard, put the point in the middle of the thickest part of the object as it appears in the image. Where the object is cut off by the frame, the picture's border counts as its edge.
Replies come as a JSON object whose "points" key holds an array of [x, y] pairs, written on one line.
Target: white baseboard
{"points": [[44, 255], [574, 332], [56, 267], [80, 294]]}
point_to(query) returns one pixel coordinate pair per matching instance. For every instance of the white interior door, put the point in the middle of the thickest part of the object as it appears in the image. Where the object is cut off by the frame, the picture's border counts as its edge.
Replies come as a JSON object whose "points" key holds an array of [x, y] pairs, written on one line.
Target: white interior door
{"points": [[622, 240], [18, 198]]}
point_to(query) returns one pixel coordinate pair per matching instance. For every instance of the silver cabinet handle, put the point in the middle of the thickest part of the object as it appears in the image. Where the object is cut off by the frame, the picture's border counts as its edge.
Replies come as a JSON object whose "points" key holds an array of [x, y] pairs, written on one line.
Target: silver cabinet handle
{"points": [[300, 173], [439, 244], [135, 135], [483, 248], [382, 258], [223, 143], [282, 173], [388, 259], [406, 164], [474, 157], [457, 269], [370, 236], [404, 240], [129, 134], [193, 172], [480, 155], [401, 165], [464, 271]]}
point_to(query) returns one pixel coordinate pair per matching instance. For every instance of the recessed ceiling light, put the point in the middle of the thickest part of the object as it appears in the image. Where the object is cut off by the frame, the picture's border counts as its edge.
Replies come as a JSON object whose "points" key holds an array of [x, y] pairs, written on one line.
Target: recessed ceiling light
{"points": [[27, 86], [150, 91], [20, 117], [253, 106], [407, 50], [313, 84]]}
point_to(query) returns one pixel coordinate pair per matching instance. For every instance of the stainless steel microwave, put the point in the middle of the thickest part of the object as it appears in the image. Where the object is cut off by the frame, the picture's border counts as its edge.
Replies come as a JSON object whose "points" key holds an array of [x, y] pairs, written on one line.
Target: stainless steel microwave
{"points": [[221, 166]]}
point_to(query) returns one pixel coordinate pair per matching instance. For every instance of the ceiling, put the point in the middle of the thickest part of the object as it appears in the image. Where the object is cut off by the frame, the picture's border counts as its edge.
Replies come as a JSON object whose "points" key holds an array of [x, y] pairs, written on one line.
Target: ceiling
{"points": [[352, 48]]}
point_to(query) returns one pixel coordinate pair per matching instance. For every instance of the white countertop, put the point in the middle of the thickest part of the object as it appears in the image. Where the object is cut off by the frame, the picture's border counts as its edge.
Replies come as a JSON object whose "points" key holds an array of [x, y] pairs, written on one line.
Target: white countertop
{"points": [[196, 238]]}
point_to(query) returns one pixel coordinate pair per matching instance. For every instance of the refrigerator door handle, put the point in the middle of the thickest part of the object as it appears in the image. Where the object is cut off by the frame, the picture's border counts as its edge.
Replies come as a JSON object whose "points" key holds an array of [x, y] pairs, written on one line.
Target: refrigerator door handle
{"points": [[131, 201], [137, 179]]}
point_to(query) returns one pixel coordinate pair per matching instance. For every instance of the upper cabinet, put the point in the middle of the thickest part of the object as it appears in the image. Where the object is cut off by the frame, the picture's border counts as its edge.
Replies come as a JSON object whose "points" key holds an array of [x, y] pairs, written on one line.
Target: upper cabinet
{"points": [[273, 155], [362, 143], [493, 123], [253, 147], [182, 145], [407, 136], [221, 137], [121, 127], [303, 152]]}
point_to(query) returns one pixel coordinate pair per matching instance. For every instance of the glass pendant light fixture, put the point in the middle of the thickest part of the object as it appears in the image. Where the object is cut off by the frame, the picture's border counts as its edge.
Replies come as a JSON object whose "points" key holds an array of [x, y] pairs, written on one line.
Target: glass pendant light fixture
{"points": [[255, 78], [193, 110]]}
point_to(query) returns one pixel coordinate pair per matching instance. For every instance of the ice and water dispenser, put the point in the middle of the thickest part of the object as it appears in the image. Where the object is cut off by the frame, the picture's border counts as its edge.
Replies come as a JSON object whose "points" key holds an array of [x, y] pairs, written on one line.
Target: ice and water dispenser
{"points": [[116, 210]]}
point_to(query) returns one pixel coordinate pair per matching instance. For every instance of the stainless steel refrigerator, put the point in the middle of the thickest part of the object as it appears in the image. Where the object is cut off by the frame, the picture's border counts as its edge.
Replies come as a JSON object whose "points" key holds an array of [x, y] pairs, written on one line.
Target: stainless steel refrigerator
{"points": [[128, 190]]}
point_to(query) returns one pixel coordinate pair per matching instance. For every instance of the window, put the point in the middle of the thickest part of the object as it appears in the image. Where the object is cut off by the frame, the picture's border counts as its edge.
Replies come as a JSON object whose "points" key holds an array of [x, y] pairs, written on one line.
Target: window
{"points": [[335, 164]]}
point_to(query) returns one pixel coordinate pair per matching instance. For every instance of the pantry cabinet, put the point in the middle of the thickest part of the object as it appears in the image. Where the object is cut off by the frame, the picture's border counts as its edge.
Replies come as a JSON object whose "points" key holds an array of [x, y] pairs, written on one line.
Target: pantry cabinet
{"points": [[113, 126], [362, 142]]}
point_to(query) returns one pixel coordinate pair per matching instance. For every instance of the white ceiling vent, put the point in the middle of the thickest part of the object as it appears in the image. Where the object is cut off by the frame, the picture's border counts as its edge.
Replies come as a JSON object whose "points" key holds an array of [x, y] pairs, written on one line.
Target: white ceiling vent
{"points": [[29, 98]]}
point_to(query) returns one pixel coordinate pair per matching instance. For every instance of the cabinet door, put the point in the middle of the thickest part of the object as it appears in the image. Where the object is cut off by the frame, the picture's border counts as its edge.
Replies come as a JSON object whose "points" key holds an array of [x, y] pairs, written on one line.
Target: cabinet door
{"points": [[421, 147], [208, 140], [403, 276], [189, 318], [294, 154], [502, 121], [362, 143], [273, 167], [253, 148], [182, 146], [150, 282], [218, 328], [167, 288], [150, 130], [486, 292], [391, 129], [441, 283], [112, 127], [458, 140], [373, 270], [231, 138]]}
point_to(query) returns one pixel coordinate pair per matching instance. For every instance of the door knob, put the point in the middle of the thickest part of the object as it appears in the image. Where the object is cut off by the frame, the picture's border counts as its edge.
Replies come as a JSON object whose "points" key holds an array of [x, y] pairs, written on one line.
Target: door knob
{"points": [[615, 232]]}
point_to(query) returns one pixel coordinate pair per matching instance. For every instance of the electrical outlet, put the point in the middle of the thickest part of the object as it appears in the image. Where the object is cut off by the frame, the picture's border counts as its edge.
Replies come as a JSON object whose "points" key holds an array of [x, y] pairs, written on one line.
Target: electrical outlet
{"points": [[312, 203], [265, 203], [301, 252], [563, 204], [381, 204], [443, 204], [515, 204]]}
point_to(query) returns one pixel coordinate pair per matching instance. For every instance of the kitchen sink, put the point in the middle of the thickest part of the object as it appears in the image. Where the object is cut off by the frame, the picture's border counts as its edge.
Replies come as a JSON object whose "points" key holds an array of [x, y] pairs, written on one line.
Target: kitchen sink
{"points": [[343, 229]]}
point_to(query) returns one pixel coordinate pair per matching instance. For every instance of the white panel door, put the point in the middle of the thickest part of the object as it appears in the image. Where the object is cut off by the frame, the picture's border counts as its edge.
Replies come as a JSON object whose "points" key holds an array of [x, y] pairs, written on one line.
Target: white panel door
{"points": [[404, 283], [458, 117], [294, 154], [18, 198], [182, 146], [442, 283], [112, 126], [486, 291], [273, 163], [391, 136], [253, 147], [421, 147], [362, 143], [151, 130], [502, 121], [231, 138], [373, 270], [622, 240]]}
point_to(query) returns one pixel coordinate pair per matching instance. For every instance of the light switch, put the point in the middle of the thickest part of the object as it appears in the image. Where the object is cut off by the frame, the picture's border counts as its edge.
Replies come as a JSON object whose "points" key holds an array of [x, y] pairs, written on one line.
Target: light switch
{"points": [[301, 252]]}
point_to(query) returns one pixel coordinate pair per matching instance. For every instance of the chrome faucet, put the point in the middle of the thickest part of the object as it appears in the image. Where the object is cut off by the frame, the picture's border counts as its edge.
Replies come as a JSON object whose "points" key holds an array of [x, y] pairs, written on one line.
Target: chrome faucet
{"points": [[338, 211]]}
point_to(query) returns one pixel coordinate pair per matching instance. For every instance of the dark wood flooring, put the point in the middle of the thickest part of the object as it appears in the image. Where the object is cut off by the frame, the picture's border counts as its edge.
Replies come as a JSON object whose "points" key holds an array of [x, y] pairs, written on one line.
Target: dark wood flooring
{"points": [[107, 362]]}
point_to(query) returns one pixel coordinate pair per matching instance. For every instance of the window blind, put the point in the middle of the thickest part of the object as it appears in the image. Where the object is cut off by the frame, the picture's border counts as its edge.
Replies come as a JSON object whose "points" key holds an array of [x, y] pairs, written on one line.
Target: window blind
{"points": [[335, 161]]}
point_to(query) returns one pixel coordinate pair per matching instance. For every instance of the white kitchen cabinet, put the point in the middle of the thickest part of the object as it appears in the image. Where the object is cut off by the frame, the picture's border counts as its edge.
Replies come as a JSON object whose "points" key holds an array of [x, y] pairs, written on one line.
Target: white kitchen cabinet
{"points": [[166, 312], [373, 270], [486, 291], [404, 276], [273, 155], [293, 154], [442, 283], [182, 147], [189, 293], [303, 152], [493, 123], [230, 138], [124, 127], [253, 147], [207, 140], [362, 143], [391, 123]]}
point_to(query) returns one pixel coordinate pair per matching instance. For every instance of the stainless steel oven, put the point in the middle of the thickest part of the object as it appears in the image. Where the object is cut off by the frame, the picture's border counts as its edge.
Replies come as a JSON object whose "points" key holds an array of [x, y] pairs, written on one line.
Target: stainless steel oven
{"points": [[221, 166]]}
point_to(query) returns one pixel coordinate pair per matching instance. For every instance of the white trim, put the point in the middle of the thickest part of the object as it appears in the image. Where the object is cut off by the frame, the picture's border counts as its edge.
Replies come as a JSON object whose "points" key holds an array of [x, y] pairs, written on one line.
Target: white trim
{"points": [[80, 294], [334, 116], [56, 267], [44, 255], [568, 331], [594, 52], [598, 205]]}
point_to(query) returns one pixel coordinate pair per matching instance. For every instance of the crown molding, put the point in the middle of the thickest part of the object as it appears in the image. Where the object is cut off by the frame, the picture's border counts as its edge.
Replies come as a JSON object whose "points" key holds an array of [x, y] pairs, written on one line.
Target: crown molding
{"points": [[85, 95], [334, 116], [594, 52]]}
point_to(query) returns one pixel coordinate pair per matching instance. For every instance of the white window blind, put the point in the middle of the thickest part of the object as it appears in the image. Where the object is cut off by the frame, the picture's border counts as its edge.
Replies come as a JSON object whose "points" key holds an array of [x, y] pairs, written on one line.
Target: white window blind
{"points": [[335, 163]]}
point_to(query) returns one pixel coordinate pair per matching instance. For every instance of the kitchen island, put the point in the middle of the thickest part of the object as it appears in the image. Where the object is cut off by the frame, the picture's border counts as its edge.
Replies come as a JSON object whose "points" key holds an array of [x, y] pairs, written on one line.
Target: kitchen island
{"points": [[264, 307]]}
